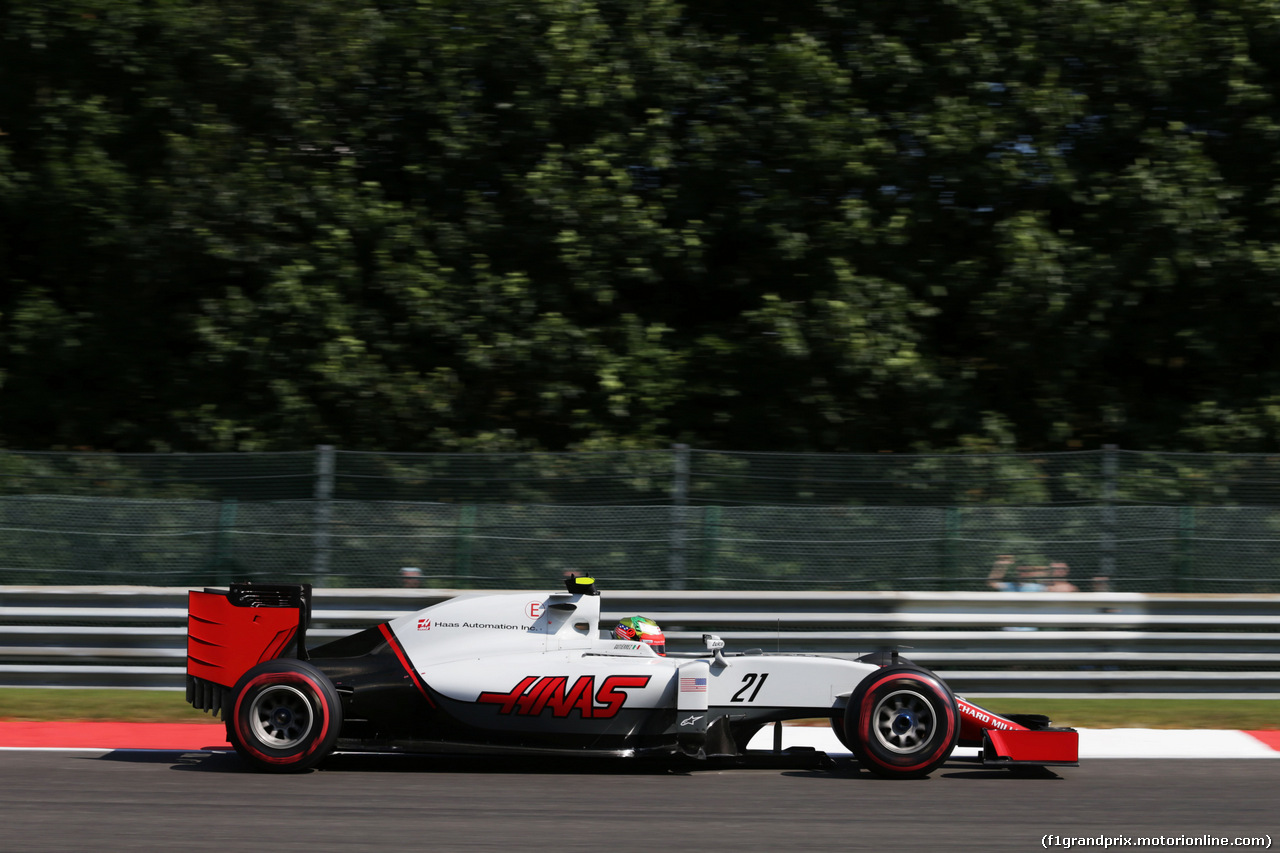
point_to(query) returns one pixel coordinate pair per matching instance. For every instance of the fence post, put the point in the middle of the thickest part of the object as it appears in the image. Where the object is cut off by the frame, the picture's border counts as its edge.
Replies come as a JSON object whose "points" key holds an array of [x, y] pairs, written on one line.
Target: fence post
{"points": [[223, 562], [1107, 555], [710, 537], [1183, 561], [679, 515], [466, 530], [951, 533], [323, 513]]}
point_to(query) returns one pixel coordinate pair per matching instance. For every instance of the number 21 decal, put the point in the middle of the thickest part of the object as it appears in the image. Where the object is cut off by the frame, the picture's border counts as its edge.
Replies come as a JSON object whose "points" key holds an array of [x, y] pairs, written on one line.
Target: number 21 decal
{"points": [[748, 680]]}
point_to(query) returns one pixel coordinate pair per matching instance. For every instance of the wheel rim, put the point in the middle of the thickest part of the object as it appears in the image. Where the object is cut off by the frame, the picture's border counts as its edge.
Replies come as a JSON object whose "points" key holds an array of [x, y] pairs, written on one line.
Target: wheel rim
{"points": [[903, 721], [281, 717]]}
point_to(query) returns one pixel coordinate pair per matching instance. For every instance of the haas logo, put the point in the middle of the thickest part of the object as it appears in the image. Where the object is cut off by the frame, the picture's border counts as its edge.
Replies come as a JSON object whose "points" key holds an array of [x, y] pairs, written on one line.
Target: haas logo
{"points": [[533, 695]]}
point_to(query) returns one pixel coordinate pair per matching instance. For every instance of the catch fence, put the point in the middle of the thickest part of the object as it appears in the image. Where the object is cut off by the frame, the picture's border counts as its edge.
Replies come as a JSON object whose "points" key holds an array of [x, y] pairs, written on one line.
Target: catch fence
{"points": [[682, 518]]}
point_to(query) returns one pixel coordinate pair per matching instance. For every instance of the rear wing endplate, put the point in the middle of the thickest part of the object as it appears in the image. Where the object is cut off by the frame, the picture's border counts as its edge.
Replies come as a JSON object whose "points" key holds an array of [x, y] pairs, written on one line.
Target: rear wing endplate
{"points": [[230, 631]]}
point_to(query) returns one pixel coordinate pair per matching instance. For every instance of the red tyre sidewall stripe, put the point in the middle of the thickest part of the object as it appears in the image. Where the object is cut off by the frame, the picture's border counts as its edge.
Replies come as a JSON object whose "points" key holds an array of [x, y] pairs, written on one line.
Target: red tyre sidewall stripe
{"points": [[864, 718], [282, 678], [404, 661]]}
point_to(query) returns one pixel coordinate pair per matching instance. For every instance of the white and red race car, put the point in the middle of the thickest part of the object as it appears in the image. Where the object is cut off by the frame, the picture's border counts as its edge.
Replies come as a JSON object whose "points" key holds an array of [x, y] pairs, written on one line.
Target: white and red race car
{"points": [[532, 673]]}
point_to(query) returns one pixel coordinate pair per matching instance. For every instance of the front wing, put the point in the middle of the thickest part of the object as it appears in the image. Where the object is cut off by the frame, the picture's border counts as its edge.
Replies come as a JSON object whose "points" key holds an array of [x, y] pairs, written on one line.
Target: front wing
{"points": [[1014, 740]]}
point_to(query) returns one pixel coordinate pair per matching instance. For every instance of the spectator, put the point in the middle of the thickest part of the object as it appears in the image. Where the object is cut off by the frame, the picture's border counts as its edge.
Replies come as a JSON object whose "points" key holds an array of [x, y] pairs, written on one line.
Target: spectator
{"points": [[1059, 578], [1028, 578], [410, 577]]}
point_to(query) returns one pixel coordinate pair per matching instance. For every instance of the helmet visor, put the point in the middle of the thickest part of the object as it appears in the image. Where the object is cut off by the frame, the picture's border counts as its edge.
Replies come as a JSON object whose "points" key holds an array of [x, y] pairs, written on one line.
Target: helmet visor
{"points": [[657, 642]]}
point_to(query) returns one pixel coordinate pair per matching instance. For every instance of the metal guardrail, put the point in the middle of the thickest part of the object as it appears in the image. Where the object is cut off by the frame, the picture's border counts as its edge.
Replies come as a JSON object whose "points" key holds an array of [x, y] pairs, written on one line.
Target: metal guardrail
{"points": [[1077, 644]]}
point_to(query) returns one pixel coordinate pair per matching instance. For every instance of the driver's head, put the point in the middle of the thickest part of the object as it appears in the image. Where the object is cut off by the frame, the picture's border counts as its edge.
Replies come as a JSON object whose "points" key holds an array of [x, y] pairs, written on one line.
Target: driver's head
{"points": [[642, 629]]}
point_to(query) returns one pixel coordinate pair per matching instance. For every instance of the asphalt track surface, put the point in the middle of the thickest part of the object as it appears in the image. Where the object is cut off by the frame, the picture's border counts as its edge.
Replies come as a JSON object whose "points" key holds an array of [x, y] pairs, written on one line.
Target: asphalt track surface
{"points": [[204, 801]]}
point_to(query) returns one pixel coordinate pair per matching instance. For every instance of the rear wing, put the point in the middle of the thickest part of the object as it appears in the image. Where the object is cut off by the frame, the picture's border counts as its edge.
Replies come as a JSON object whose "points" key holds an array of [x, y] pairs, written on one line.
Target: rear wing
{"points": [[231, 631]]}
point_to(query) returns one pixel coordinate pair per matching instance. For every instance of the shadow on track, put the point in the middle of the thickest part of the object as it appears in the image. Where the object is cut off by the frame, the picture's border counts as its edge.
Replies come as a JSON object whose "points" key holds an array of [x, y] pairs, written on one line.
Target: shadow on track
{"points": [[800, 765], [803, 762]]}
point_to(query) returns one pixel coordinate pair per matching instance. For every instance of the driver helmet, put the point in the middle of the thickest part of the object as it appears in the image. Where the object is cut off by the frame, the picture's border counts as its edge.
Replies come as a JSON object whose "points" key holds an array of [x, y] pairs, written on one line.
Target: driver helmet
{"points": [[642, 629]]}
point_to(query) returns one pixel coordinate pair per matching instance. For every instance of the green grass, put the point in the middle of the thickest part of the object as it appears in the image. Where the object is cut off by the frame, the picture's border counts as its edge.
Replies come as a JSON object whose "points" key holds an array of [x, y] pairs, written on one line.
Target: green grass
{"points": [[143, 706], [1145, 713], [162, 706]]}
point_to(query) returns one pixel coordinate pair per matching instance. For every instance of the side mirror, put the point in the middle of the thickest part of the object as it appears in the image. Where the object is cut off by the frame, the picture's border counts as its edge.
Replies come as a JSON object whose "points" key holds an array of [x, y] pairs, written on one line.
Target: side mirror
{"points": [[715, 645]]}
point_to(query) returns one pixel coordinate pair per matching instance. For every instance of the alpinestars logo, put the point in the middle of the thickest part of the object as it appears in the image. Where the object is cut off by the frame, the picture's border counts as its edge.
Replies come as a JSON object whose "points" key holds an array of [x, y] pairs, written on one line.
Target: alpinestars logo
{"points": [[533, 695]]}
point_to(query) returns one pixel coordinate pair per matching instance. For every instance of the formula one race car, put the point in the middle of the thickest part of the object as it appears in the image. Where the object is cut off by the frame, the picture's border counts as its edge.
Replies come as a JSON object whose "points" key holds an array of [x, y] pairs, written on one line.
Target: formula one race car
{"points": [[530, 673]]}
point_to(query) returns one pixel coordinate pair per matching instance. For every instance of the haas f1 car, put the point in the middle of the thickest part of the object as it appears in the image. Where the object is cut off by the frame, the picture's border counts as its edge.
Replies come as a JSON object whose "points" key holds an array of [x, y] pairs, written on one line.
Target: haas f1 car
{"points": [[531, 673]]}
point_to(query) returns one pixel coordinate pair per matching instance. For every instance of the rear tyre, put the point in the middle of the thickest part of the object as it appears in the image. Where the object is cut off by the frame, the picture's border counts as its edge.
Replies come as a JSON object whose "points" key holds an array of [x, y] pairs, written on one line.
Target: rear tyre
{"points": [[837, 727], [285, 716], [902, 722]]}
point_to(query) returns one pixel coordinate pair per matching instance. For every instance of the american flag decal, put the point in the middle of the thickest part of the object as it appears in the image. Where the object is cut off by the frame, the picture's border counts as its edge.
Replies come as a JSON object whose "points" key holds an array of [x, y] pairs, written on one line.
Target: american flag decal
{"points": [[693, 685]]}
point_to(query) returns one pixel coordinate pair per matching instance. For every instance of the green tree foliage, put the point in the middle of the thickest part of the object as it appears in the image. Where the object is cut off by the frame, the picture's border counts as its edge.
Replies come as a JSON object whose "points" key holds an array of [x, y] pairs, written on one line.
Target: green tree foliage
{"points": [[452, 225]]}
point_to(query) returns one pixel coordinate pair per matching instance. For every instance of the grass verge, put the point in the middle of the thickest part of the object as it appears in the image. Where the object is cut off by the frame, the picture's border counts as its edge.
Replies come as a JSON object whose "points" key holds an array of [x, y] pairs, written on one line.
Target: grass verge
{"points": [[141, 706], [1248, 714], [163, 706]]}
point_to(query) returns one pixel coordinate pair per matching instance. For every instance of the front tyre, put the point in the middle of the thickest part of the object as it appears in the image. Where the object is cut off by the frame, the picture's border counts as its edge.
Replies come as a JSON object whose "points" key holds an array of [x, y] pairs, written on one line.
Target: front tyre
{"points": [[902, 722], [285, 716], [881, 659], [837, 728]]}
